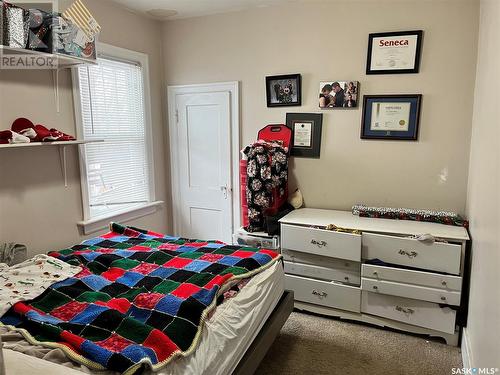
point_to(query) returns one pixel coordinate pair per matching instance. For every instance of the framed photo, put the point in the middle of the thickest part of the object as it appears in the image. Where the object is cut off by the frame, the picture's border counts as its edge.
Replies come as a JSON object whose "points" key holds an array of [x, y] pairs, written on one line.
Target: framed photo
{"points": [[306, 134], [338, 94], [284, 90], [393, 117], [394, 52]]}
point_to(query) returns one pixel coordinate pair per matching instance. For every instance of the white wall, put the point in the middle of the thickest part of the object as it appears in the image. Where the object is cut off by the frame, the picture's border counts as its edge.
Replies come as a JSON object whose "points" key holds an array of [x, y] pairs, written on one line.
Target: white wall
{"points": [[483, 204], [327, 40], [35, 207]]}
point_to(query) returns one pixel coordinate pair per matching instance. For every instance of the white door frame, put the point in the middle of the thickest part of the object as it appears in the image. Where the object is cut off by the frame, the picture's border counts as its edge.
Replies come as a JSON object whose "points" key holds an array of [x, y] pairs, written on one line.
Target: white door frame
{"points": [[172, 92]]}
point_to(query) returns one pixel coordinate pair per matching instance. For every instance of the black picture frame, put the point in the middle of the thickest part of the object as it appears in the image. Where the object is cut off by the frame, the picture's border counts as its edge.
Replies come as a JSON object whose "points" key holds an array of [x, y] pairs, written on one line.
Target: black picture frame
{"points": [[418, 51], [283, 81], [411, 134], [313, 150]]}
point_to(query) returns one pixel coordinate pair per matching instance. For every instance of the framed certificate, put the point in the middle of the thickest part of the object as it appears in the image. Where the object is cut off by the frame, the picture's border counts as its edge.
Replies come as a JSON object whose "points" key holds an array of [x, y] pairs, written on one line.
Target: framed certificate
{"points": [[306, 134], [391, 117], [394, 52]]}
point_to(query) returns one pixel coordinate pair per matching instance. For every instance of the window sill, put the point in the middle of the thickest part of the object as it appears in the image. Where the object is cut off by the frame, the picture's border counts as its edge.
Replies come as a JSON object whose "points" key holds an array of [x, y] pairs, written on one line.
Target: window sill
{"points": [[101, 222]]}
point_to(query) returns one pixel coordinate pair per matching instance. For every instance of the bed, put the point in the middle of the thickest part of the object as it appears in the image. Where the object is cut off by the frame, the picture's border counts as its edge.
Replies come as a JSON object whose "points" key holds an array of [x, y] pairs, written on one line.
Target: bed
{"points": [[241, 329]]}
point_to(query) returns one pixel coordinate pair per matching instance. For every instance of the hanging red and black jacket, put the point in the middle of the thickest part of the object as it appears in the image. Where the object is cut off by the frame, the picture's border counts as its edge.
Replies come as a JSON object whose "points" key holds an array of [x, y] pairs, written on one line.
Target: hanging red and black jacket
{"points": [[267, 178]]}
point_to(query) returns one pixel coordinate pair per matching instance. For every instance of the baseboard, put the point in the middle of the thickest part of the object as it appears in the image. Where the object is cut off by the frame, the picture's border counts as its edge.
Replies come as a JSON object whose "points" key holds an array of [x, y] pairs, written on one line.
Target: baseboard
{"points": [[466, 350]]}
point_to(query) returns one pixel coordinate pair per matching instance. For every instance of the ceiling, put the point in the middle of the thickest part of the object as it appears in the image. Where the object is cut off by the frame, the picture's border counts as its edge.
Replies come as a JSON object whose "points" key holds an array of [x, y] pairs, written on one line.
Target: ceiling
{"points": [[196, 8]]}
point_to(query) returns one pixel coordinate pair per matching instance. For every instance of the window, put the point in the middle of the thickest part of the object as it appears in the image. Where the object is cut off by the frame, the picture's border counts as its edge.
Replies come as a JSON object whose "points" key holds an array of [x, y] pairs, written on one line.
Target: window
{"points": [[114, 107]]}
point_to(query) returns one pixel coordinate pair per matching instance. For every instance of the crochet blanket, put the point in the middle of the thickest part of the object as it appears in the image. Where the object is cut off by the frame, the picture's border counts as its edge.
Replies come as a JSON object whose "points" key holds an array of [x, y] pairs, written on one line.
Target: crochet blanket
{"points": [[140, 300]]}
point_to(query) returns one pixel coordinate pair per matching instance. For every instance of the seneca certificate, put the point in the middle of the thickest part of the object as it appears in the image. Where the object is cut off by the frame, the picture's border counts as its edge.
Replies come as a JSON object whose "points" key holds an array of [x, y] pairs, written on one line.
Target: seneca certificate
{"points": [[394, 52], [390, 116], [302, 136]]}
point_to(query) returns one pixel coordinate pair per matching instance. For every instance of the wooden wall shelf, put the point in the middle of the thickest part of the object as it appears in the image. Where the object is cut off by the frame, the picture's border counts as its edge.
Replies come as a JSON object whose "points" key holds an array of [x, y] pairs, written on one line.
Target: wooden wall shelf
{"points": [[60, 60], [46, 144]]}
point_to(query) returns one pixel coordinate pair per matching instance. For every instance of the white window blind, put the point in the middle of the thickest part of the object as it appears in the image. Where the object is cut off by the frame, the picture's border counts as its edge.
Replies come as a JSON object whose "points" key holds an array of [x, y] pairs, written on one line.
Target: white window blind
{"points": [[112, 108]]}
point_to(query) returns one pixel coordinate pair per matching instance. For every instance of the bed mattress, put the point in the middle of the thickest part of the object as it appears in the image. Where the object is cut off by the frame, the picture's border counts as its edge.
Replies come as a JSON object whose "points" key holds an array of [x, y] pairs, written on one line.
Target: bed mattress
{"points": [[225, 338]]}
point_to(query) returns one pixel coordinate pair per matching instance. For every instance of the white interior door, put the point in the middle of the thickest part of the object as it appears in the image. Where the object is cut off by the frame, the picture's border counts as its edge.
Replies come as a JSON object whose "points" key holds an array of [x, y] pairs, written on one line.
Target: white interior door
{"points": [[205, 209]]}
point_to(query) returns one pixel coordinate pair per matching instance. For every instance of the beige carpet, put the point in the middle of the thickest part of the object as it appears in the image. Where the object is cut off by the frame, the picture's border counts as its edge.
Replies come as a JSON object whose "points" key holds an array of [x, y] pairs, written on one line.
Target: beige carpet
{"points": [[310, 344]]}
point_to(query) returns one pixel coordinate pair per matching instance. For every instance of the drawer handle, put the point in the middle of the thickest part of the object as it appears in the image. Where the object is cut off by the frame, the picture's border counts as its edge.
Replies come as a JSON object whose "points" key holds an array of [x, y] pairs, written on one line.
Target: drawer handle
{"points": [[319, 294], [320, 244], [407, 311], [411, 254]]}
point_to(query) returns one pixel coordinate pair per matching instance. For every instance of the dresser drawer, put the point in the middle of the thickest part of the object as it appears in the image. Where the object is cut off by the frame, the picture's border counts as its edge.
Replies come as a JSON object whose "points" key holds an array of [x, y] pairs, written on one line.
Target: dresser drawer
{"points": [[313, 259], [433, 280], [419, 313], [423, 293], [321, 242], [344, 275], [442, 257], [324, 293]]}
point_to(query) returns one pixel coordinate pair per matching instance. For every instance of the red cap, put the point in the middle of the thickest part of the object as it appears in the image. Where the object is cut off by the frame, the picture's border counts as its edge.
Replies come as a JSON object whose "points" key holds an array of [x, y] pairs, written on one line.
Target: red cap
{"points": [[43, 134], [21, 124]]}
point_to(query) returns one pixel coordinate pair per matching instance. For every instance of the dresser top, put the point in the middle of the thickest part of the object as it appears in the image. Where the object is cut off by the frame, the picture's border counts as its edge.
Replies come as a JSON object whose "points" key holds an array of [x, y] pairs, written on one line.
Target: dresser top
{"points": [[345, 219]]}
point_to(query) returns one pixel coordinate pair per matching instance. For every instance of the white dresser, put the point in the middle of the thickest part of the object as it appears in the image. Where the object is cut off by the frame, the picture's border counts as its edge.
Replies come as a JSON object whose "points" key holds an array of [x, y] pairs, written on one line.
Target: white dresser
{"points": [[381, 276]]}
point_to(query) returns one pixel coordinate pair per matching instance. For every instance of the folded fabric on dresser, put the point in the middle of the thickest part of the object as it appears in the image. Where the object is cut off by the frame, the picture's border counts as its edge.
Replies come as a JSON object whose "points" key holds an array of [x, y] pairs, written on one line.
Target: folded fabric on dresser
{"points": [[140, 300]]}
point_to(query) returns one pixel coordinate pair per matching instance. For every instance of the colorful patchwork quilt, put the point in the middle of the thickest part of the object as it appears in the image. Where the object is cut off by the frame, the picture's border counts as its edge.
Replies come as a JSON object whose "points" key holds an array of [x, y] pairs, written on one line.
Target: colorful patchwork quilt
{"points": [[140, 300]]}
